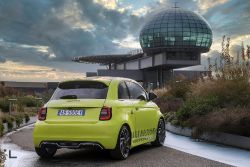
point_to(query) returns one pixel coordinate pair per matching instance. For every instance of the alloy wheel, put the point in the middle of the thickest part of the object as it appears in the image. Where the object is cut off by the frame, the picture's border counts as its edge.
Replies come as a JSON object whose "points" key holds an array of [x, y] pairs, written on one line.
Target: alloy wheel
{"points": [[125, 142], [161, 131]]}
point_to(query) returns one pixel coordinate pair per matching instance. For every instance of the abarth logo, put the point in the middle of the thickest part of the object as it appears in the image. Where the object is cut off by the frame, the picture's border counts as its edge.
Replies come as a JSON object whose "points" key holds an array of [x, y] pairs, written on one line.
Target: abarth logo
{"points": [[143, 135]]}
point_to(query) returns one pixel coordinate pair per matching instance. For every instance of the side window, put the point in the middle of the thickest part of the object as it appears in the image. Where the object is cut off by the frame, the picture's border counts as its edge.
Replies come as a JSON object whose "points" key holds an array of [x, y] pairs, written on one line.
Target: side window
{"points": [[123, 91], [135, 90]]}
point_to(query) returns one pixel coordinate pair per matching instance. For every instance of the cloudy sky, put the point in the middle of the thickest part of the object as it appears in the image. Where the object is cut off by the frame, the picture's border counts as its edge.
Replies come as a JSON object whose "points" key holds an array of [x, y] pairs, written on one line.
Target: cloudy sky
{"points": [[38, 38]]}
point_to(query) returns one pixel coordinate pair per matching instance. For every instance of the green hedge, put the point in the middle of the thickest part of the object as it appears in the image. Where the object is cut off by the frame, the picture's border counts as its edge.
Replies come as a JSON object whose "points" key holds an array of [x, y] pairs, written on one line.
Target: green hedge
{"points": [[197, 106], [28, 101], [17, 117], [27, 118]]}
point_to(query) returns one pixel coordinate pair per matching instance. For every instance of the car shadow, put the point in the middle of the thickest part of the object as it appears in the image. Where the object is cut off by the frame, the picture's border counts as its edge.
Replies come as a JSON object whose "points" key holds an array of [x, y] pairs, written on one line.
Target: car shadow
{"points": [[88, 157]]}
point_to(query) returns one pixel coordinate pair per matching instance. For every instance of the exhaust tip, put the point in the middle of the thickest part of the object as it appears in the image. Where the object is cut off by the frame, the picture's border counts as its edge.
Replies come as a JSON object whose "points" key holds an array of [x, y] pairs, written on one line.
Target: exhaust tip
{"points": [[72, 145]]}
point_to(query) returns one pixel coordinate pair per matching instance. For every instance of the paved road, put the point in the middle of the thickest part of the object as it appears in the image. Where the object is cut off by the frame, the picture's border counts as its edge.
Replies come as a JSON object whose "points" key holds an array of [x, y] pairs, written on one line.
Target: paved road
{"points": [[145, 155]]}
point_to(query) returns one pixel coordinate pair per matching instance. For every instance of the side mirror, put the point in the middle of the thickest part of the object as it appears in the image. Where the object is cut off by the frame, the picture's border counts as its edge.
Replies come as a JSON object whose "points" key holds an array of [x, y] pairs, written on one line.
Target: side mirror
{"points": [[141, 97], [151, 96]]}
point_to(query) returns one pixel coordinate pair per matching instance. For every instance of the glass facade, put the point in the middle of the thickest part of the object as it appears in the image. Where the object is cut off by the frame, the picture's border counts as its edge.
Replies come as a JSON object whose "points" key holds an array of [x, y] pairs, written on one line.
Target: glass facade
{"points": [[176, 29]]}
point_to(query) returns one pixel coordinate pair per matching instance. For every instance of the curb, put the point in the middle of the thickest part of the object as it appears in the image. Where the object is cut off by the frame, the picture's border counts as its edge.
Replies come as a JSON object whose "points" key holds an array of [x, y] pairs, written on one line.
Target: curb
{"points": [[216, 137], [6, 130]]}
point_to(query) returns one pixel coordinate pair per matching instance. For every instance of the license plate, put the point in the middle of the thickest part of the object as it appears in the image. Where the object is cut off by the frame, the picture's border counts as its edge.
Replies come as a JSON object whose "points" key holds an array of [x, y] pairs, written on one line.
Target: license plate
{"points": [[71, 112]]}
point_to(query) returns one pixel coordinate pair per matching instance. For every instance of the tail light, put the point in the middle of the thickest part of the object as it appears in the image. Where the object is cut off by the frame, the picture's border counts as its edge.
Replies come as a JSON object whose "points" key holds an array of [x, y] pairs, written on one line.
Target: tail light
{"points": [[105, 114], [42, 114]]}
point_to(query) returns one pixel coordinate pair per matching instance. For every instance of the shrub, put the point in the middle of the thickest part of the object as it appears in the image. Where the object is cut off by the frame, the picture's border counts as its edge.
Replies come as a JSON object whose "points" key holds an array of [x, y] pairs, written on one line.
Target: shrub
{"points": [[2, 157], [197, 106], [28, 101], [27, 118], [161, 92], [179, 89], [20, 106], [229, 120], [231, 87], [18, 118], [19, 121], [169, 116], [168, 104], [8, 119], [175, 121]]}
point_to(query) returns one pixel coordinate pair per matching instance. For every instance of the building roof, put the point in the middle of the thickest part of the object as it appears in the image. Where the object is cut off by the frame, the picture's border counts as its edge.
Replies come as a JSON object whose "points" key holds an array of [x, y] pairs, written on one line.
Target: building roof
{"points": [[107, 59], [104, 79], [176, 29]]}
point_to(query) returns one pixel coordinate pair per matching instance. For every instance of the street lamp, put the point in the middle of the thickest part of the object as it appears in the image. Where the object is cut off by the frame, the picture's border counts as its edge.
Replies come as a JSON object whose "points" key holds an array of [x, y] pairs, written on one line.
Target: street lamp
{"points": [[11, 102]]}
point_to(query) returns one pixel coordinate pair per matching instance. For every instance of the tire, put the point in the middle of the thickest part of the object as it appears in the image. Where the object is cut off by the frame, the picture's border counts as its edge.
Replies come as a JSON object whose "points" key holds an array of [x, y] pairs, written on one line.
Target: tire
{"points": [[160, 133], [123, 144], [46, 152]]}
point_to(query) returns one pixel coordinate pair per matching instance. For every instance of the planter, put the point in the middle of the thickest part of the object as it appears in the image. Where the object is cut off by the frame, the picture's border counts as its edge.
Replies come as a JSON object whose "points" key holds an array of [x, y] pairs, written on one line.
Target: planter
{"points": [[5, 127], [14, 125], [179, 130], [23, 123], [227, 139], [217, 137]]}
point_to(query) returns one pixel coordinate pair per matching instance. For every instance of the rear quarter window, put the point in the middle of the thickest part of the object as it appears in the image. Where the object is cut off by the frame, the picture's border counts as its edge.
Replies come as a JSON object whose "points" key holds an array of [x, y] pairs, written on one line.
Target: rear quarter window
{"points": [[81, 90], [135, 90], [123, 91]]}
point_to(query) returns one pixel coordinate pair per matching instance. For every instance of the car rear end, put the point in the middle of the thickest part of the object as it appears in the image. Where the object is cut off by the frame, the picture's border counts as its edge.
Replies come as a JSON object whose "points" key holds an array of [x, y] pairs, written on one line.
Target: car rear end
{"points": [[76, 116]]}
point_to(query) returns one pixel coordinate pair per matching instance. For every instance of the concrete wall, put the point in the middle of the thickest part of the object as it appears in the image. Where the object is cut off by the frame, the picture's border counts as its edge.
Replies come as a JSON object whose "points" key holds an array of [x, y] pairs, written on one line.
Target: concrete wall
{"points": [[169, 59], [91, 74], [191, 75], [132, 65], [146, 62], [184, 63], [157, 76], [132, 74], [159, 59], [120, 66]]}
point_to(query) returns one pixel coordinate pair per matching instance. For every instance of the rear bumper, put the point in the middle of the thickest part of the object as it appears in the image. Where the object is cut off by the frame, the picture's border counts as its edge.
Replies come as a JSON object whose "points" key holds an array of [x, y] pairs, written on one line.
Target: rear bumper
{"points": [[103, 133], [71, 144]]}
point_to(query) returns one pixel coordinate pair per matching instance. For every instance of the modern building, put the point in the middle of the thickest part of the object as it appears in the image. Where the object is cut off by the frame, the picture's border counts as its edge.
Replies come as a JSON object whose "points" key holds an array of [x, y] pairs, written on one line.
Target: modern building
{"points": [[172, 39]]}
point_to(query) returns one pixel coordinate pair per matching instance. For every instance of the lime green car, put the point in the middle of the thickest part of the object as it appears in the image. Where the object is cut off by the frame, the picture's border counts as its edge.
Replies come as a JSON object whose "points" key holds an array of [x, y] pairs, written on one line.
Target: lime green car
{"points": [[110, 113]]}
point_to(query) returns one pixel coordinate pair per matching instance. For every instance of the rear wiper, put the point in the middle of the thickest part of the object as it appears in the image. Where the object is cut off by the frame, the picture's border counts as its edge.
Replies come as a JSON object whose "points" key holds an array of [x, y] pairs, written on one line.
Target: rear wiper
{"points": [[69, 97]]}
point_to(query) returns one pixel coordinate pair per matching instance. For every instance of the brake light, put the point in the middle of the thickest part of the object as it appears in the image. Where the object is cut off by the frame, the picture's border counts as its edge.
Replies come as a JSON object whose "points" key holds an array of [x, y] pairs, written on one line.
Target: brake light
{"points": [[105, 114], [42, 114]]}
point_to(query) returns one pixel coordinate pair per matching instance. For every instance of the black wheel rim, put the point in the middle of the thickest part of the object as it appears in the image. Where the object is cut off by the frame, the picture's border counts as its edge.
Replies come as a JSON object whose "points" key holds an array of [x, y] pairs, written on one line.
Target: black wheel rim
{"points": [[161, 131], [124, 142]]}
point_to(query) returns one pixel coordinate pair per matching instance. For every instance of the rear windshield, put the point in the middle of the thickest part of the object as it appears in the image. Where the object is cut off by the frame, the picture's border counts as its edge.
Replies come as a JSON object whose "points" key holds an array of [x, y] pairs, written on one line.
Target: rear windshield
{"points": [[81, 90]]}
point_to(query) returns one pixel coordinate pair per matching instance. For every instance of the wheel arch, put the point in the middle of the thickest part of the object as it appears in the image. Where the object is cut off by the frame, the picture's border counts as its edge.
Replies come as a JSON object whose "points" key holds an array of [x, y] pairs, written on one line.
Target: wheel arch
{"points": [[129, 128], [126, 124]]}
